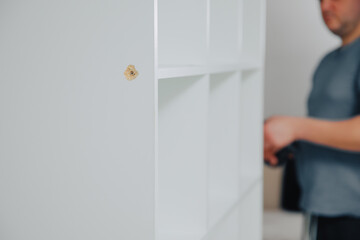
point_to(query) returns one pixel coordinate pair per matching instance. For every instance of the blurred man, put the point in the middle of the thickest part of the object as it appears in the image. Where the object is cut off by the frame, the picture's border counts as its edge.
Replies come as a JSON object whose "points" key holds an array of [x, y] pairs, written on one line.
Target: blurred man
{"points": [[328, 139]]}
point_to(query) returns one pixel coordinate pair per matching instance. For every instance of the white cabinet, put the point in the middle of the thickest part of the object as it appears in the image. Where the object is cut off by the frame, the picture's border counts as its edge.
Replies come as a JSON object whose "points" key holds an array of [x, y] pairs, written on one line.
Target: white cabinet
{"points": [[174, 154]]}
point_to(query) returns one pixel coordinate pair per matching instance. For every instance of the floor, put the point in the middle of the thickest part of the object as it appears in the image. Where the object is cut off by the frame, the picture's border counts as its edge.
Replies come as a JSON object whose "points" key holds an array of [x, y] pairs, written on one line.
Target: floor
{"points": [[280, 225]]}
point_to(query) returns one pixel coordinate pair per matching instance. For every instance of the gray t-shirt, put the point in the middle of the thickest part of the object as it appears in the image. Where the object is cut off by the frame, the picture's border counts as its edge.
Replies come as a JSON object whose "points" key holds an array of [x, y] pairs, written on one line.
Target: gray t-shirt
{"points": [[330, 178]]}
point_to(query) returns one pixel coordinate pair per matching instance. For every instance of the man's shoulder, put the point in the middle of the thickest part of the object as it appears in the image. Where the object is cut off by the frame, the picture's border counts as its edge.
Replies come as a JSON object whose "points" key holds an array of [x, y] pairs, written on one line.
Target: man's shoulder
{"points": [[330, 54], [328, 57], [325, 60]]}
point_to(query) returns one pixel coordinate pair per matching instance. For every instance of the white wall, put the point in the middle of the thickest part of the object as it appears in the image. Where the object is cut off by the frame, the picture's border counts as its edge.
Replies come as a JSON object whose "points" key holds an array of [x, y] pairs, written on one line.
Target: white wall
{"points": [[296, 40]]}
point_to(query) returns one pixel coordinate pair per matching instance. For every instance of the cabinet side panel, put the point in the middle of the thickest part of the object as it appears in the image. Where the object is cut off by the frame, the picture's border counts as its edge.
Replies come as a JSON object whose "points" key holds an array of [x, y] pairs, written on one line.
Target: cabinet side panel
{"points": [[77, 138]]}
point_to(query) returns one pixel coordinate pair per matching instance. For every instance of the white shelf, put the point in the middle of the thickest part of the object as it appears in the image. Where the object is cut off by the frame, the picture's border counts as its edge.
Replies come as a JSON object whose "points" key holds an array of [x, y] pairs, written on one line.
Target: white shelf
{"points": [[223, 143], [175, 71], [214, 69], [249, 64], [182, 33], [232, 221], [181, 71], [209, 116], [253, 29], [246, 183], [182, 154], [219, 206], [180, 236], [228, 228], [172, 152], [225, 23]]}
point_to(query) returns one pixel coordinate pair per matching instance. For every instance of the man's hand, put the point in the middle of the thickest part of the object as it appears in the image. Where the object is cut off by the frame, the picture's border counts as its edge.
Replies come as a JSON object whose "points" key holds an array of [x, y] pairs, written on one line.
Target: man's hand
{"points": [[279, 131]]}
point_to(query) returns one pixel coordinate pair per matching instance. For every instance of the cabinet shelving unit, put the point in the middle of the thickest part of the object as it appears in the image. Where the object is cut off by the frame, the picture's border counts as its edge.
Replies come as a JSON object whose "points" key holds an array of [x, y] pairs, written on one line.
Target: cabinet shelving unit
{"points": [[209, 76], [173, 154]]}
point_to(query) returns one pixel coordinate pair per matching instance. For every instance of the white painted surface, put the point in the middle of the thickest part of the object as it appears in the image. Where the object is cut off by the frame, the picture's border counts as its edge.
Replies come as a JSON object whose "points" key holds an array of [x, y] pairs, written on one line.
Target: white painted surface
{"points": [[251, 124], [183, 104], [243, 220], [230, 43], [250, 214], [168, 71], [76, 137], [225, 20], [252, 37], [182, 32], [223, 144], [86, 154]]}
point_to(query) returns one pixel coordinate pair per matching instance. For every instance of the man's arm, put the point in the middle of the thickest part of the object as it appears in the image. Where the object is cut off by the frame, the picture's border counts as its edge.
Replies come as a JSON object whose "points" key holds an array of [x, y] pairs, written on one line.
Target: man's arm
{"points": [[279, 131]]}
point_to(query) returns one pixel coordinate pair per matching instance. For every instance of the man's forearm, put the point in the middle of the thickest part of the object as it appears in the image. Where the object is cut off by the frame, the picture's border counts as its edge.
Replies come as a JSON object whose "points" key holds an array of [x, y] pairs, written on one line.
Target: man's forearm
{"points": [[343, 134]]}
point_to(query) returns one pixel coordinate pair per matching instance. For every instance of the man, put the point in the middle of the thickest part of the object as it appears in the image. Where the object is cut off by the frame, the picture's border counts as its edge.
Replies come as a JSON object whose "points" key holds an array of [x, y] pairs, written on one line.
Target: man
{"points": [[328, 139]]}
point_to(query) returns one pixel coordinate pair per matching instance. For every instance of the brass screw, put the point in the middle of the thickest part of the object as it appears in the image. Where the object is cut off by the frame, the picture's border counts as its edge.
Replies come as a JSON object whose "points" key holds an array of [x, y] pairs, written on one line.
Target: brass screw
{"points": [[131, 73]]}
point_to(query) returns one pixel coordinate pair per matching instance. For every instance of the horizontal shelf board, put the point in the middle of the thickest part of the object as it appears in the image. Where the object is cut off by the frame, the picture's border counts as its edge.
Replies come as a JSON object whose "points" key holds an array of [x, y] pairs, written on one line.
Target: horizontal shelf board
{"points": [[249, 65], [181, 71], [219, 207], [213, 69], [246, 183], [179, 236], [173, 71]]}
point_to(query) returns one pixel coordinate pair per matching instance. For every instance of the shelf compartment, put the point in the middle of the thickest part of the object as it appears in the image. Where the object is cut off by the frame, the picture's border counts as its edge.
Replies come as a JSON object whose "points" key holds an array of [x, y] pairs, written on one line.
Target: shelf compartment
{"points": [[223, 144], [251, 124], [228, 228], [182, 32], [234, 221], [225, 22], [250, 213], [246, 183], [252, 29], [177, 71], [182, 175]]}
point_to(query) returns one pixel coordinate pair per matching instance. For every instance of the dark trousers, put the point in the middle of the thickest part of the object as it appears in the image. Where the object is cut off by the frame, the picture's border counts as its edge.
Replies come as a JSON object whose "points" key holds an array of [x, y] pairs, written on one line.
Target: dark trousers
{"points": [[338, 228]]}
